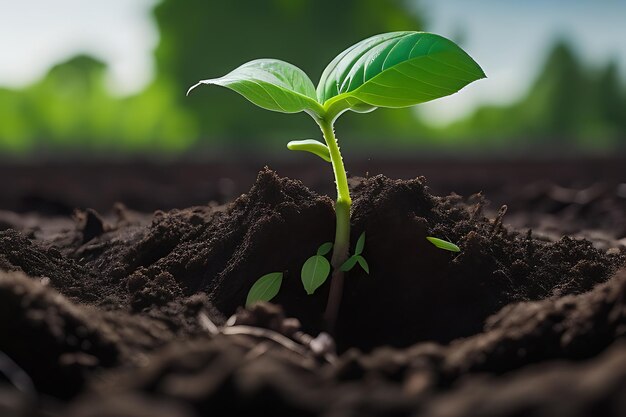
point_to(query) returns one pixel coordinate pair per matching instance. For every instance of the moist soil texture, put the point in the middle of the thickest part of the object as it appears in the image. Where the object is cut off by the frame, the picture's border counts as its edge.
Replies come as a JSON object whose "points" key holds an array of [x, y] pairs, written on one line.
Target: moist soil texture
{"points": [[140, 314]]}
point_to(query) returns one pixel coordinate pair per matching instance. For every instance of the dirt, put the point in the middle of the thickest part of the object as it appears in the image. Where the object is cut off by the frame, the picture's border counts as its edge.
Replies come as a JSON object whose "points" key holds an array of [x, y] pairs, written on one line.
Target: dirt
{"points": [[125, 314]]}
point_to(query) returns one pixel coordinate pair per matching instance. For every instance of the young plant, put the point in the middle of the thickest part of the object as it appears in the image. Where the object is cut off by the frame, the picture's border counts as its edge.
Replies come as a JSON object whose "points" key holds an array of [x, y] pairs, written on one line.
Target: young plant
{"points": [[352, 261], [316, 269], [393, 70]]}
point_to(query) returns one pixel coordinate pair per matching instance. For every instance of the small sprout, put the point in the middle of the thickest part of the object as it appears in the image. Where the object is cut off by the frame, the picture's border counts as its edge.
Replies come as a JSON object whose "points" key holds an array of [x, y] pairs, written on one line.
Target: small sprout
{"points": [[352, 261], [316, 269], [443, 244], [265, 288]]}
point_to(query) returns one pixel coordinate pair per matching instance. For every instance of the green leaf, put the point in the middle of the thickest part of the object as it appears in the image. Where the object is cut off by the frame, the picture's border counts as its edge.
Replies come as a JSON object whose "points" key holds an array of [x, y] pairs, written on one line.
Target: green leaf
{"points": [[349, 264], [363, 264], [265, 288], [397, 69], [314, 273], [443, 244], [324, 248], [271, 84], [360, 244], [310, 145]]}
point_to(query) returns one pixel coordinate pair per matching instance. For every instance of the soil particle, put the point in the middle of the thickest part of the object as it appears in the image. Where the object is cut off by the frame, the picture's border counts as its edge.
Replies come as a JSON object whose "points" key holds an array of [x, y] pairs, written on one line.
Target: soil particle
{"points": [[91, 224], [18, 253], [148, 292]]}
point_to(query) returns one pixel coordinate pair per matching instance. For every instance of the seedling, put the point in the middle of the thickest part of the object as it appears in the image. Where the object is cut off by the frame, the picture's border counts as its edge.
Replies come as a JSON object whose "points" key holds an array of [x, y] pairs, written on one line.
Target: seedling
{"points": [[316, 269], [314, 273], [352, 261], [393, 70]]}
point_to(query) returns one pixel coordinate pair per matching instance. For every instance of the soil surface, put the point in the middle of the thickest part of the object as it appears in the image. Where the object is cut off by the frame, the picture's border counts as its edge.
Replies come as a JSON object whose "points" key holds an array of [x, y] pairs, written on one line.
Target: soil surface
{"points": [[130, 313]]}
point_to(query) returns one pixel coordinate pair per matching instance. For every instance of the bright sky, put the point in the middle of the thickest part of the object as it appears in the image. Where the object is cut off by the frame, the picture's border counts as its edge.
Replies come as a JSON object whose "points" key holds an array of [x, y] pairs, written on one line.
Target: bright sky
{"points": [[35, 34], [507, 37]]}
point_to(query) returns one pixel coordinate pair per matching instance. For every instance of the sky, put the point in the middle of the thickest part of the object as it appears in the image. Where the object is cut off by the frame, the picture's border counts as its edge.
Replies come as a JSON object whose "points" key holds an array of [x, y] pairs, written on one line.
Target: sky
{"points": [[511, 38], [36, 34], [508, 38]]}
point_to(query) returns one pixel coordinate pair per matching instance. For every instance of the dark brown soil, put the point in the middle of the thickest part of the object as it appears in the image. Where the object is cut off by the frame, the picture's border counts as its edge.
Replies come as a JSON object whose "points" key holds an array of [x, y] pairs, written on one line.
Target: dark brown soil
{"points": [[111, 315]]}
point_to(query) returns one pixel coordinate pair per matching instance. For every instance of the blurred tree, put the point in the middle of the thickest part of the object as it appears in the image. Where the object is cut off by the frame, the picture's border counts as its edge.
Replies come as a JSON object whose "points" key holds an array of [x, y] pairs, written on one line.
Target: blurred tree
{"points": [[71, 109], [609, 99], [568, 107], [559, 96], [206, 39]]}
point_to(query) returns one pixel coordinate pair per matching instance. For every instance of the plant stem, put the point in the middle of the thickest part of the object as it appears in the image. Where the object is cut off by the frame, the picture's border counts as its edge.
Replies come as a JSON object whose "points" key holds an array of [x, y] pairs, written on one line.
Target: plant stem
{"points": [[342, 229]]}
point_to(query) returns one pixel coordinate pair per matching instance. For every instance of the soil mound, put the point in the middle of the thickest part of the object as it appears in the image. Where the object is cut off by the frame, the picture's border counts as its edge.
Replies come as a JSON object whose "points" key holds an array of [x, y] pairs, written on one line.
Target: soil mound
{"points": [[126, 307], [504, 371], [414, 292]]}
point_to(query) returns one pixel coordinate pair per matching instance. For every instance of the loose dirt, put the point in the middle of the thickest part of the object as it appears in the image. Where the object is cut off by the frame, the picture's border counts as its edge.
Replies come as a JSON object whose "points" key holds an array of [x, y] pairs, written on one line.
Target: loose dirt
{"points": [[125, 314]]}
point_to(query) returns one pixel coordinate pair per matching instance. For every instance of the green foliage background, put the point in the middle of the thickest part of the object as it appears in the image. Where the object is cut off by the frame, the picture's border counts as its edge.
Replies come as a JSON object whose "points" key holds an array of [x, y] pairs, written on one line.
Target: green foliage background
{"points": [[568, 107]]}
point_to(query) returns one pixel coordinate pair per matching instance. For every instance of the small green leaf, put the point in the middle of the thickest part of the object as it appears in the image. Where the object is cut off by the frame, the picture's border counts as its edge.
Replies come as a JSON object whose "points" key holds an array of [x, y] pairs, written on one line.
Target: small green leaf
{"points": [[349, 264], [265, 288], [443, 244], [363, 264], [314, 273], [396, 69], [324, 248], [310, 145], [271, 84], [360, 244]]}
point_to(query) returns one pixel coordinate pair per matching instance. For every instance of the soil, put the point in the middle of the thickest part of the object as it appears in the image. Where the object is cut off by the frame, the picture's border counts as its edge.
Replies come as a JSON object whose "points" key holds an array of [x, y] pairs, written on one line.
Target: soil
{"points": [[131, 313]]}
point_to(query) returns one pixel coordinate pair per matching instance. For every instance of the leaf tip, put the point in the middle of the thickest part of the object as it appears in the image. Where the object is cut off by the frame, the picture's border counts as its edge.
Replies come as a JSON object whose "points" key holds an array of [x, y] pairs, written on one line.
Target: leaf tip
{"points": [[192, 87]]}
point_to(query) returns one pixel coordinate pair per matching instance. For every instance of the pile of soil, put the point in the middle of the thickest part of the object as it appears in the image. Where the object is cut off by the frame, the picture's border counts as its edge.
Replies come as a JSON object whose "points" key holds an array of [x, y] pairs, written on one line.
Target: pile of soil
{"points": [[127, 314]]}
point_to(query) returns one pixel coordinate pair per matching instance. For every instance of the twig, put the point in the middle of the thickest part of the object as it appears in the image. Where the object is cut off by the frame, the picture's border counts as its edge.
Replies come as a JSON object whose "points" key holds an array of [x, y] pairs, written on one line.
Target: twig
{"points": [[267, 334], [319, 346], [19, 379]]}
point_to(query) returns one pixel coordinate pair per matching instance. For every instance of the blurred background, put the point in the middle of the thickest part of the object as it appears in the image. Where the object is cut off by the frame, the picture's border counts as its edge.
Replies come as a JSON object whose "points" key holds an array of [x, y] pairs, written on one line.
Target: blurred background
{"points": [[84, 85]]}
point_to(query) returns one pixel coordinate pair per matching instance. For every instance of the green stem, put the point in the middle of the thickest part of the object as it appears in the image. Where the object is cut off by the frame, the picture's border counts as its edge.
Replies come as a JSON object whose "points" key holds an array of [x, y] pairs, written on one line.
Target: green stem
{"points": [[342, 229]]}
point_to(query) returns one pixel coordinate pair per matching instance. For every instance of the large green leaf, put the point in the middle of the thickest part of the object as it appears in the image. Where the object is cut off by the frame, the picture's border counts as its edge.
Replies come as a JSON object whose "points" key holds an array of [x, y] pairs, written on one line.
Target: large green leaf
{"points": [[397, 69], [271, 84]]}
